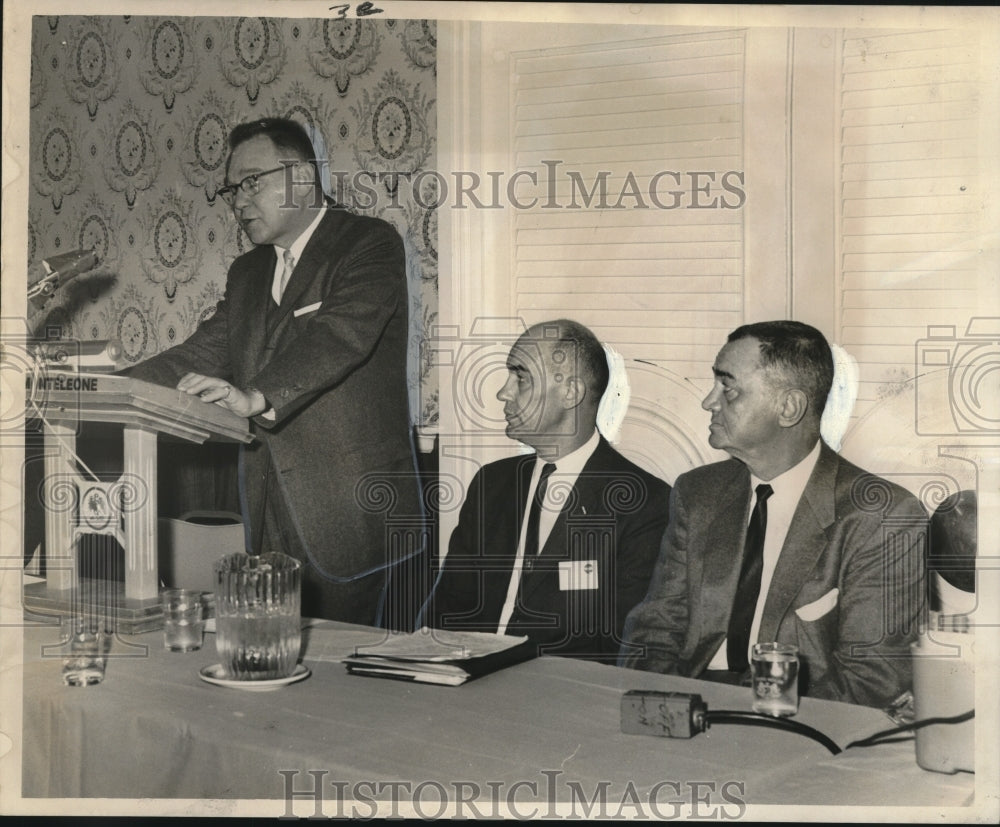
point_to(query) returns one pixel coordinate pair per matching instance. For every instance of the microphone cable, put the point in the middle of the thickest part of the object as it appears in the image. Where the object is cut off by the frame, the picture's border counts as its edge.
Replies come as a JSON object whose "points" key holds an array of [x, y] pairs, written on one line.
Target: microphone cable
{"points": [[879, 737], [736, 716]]}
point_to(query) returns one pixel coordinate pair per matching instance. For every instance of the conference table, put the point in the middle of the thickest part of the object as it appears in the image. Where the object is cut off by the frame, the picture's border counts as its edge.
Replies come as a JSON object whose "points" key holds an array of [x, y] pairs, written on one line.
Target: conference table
{"points": [[535, 739]]}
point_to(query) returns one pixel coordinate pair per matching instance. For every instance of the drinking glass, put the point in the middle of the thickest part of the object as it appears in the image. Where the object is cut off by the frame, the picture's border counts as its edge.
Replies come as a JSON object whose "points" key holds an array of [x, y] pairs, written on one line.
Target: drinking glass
{"points": [[85, 645], [183, 619], [775, 670]]}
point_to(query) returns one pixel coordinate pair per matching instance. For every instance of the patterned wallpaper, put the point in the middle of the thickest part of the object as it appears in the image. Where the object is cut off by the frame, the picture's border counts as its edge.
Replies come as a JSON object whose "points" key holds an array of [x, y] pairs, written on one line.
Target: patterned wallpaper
{"points": [[129, 119]]}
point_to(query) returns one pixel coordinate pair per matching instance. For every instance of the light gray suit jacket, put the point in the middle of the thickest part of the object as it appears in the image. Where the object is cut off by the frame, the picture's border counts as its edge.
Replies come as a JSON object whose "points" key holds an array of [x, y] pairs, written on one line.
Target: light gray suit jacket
{"points": [[848, 588]]}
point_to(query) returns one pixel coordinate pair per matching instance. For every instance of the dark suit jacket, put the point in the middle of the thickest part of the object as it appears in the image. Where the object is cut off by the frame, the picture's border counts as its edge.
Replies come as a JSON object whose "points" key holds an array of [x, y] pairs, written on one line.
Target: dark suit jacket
{"points": [[331, 360], [852, 531], [613, 519]]}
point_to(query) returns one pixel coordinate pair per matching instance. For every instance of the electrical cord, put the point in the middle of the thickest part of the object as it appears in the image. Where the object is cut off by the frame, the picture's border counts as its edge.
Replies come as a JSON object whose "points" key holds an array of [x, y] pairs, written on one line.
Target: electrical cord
{"points": [[684, 715], [735, 716], [877, 738]]}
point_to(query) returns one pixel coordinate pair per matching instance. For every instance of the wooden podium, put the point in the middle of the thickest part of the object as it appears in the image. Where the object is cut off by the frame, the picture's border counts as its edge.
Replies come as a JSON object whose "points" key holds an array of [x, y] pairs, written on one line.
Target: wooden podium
{"points": [[124, 509]]}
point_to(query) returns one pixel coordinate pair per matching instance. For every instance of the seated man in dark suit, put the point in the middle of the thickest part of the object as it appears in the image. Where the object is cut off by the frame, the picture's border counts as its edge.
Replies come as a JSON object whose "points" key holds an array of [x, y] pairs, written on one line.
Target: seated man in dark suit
{"points": [[784, 542], [566, 571]]}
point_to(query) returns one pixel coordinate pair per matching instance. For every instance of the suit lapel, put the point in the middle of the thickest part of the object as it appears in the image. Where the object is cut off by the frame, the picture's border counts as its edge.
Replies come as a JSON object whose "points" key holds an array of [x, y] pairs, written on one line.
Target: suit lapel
{"points": [[306, 268], [506, 542], [722, 557], [804, 543], [586, 498], [251, 316], [524, 468]]}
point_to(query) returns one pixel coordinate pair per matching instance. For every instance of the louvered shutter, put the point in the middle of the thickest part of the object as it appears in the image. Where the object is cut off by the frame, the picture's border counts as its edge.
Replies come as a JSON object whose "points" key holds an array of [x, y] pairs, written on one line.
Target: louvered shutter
{"points": [[910, 201], [660, 284]]}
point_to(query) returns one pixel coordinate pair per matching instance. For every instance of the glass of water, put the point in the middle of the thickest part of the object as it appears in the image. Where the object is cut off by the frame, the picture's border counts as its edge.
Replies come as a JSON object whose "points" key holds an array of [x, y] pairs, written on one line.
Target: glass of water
{"points": [[85, 643], [183, 620], [775, 670]]}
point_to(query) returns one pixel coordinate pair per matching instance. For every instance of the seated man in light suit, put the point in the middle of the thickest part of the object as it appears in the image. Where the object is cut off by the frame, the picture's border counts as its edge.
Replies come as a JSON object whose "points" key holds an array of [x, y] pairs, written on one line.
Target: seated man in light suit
{"points": [[567, 571], [830, 559]]}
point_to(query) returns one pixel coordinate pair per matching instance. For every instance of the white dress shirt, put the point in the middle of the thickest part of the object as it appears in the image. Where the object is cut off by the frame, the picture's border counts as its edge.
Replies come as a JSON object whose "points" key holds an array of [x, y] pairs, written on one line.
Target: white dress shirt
{"points": [[781, 505], [296, 250], [561, 482], [279, 270]]}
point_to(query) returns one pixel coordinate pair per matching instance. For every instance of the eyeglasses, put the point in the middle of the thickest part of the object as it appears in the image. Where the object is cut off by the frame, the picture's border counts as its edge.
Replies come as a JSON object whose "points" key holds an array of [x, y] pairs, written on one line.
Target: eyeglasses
{"points": [[249, 185]]}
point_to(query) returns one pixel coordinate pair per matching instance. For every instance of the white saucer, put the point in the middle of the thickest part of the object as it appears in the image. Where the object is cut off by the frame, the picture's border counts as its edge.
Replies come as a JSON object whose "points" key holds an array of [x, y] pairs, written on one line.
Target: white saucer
{"points": [[215, 674]]}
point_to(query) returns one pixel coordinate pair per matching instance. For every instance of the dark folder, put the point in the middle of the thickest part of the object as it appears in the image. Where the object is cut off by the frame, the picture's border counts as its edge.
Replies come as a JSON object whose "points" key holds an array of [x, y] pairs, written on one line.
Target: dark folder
{"points": [[436, 656]]}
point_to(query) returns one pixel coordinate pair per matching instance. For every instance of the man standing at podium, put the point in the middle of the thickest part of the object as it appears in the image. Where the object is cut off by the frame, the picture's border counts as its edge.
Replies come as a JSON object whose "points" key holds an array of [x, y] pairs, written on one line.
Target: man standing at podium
{"points": [[309, 343]]}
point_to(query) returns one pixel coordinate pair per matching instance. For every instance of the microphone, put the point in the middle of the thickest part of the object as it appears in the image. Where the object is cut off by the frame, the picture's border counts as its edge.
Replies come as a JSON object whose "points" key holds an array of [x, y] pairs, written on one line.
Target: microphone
{"points": [[59, 270]]}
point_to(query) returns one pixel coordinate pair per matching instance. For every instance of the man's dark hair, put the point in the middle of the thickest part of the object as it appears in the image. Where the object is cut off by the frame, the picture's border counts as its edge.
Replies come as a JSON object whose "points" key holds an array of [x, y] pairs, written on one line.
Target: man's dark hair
{"points": [[798, 350], [288, 136], [587, 350]]}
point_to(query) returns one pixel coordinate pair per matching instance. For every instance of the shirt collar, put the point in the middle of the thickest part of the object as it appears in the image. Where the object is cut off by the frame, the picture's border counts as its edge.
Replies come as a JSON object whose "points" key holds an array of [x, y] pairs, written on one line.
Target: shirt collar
{"points": [[300, 243], [574, 461], [793, 481]]}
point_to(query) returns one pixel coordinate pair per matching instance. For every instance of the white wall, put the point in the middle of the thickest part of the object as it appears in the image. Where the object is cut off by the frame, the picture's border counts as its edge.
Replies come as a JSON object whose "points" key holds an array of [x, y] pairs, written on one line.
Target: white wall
{"points": [[794, 140]]}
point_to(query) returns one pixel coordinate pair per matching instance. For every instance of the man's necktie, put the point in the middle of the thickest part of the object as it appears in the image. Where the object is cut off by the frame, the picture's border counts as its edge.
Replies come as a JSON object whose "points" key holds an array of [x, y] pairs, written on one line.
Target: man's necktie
{"points": [[531, 540], [748, 590], [288, 261]]}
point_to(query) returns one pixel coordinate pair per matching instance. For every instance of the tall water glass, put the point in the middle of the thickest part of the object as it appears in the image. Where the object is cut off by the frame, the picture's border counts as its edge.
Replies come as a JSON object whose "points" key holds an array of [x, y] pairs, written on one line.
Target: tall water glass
{"points": [[775, 670], [258, 615], [183, 619], [86, 640]]}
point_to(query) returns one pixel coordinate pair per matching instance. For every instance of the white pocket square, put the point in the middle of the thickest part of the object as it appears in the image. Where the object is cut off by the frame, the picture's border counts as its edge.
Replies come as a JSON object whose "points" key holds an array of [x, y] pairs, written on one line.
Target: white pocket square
{"points": [[309, 308], [818, 608]]}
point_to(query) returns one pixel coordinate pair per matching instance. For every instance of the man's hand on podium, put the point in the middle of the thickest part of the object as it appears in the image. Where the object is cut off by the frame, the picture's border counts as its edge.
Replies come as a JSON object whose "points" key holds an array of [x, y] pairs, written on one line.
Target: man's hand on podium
{"points": [[211, 389]]}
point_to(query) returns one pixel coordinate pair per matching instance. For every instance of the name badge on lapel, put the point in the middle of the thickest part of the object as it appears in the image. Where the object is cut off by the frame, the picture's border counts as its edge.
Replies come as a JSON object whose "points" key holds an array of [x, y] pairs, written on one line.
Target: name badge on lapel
{"points": [[575, 575]]}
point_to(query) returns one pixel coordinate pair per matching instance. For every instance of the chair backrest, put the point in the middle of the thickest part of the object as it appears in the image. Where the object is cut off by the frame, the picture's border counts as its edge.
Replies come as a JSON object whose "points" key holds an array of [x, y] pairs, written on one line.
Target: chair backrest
{"points": [[190, 545]]}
